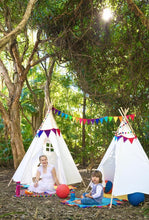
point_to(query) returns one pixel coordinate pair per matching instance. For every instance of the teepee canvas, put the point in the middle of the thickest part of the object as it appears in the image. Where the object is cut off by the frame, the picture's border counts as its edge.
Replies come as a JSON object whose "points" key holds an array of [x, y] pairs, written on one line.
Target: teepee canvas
{"points": [[48, 141], [125, 163]]}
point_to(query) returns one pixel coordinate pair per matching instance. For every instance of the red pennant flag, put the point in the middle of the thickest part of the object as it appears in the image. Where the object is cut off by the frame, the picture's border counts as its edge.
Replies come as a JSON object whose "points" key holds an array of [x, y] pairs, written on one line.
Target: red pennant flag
{"points": [[84, 121], [131, 140], [59, 132], [132, 116]]}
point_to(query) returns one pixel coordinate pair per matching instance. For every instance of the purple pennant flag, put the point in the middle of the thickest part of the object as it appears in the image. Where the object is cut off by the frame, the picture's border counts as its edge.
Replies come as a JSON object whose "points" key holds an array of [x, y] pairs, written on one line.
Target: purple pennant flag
{"points": [[88, 121], [125, 139], [53, 108], [56, 111], [47, 132], [101, 120], [97, 120], [119, 137], [92, 120], [59, 112], [39, 133], [54, 130]]}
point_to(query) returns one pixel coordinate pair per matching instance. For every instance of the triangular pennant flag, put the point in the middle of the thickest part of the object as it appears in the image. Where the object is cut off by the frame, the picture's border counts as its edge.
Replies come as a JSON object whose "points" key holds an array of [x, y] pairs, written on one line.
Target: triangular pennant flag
{"points": [[88, 121], [62, 114], [54, 130], [39, 133], [47, 132], [110, 118], [77, 119], [115, 118], [127, 116], [132, 116], [80, 119], [56, 111], [73, 118], [53, 108], [84, 120], [125, 139], [92, 120], [106, 118], [66, 116], [70, 117], [58, 131], [115, 137], [131, 140], [59, 112], [120, 118], [118, 138], [97, 120], [101, 120]]}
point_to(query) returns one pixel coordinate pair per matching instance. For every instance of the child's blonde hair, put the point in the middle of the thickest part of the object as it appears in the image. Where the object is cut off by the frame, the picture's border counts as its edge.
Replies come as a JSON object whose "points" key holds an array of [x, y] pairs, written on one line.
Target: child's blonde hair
{"points": [[98, 174], [40, 158]]}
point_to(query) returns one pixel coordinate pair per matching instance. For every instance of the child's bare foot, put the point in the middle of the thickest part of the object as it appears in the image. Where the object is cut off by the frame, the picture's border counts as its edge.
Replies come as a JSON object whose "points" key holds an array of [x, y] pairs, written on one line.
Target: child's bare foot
{"points": [[77, 201]]}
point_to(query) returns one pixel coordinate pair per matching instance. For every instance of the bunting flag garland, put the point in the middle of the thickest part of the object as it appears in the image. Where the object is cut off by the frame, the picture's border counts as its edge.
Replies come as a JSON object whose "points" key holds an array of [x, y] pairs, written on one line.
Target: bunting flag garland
{"points": [[93, 120], [47, 132], [125, 138]]}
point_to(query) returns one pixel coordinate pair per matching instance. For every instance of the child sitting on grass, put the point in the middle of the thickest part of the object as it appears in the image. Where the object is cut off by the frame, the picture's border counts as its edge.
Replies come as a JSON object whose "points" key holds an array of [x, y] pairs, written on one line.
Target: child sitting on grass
{"points": [[94, 197]]}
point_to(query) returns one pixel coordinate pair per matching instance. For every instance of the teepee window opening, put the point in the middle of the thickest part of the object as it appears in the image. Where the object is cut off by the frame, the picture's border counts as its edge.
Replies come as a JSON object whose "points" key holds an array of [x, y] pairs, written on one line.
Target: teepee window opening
{"points": [[49, 147]]}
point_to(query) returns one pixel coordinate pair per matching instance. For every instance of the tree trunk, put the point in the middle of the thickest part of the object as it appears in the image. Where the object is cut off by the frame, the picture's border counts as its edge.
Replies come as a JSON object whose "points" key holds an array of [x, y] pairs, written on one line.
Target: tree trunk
{"points": [[38, 117], [15, 135], [83, 133]]}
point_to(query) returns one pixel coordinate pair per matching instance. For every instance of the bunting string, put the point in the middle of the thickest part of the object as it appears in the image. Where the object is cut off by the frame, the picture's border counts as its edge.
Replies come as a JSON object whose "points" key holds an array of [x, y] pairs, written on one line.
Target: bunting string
{"points": [[125, 138], [47, 132], [91, 120]]}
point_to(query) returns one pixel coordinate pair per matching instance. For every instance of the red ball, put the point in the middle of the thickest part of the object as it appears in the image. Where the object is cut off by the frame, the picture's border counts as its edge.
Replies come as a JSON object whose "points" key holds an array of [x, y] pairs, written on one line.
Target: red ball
{"points": [[62, 191]]}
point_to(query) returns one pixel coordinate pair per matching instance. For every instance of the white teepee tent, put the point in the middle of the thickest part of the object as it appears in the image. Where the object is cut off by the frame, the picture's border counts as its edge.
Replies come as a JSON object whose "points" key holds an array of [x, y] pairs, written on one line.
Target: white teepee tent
{"points": [[49, 141], [125, 163]]}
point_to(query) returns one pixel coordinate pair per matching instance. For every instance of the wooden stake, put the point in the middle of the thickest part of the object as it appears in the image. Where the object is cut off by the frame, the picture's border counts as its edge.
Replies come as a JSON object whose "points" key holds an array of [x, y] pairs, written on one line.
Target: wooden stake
{"points": [[9, 182]]}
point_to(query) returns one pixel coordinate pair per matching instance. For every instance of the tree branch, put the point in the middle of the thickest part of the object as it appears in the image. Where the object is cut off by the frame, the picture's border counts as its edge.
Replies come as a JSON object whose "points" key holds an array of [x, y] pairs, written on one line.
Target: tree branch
{"points": [[20, 26], [134, 8]]}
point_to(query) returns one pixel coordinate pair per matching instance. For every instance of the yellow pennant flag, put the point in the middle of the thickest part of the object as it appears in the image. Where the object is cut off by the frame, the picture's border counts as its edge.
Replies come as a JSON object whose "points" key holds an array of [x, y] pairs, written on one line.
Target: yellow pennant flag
{"points": [[115, 118]]}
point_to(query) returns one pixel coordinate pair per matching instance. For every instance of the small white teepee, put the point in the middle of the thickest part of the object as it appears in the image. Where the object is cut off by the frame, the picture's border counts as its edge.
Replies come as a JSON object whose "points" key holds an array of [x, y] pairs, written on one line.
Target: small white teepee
{"points": [[125, 163], [48, 141]]}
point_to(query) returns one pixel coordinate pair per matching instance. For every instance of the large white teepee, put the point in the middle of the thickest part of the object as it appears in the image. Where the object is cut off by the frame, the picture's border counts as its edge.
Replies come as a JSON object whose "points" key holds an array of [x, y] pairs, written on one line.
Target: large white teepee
{"points": [[125, 163], [49, 141]]}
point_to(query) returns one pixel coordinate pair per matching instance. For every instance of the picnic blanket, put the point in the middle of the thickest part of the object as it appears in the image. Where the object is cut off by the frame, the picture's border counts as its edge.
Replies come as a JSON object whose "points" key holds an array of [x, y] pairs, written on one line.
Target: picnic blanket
{"points": [[105, 203], [24, 192]]}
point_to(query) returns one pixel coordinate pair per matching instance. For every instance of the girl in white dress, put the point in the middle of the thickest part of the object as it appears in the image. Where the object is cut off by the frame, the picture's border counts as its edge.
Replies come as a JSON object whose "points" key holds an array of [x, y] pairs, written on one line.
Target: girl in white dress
{"points": [[48, 177]]}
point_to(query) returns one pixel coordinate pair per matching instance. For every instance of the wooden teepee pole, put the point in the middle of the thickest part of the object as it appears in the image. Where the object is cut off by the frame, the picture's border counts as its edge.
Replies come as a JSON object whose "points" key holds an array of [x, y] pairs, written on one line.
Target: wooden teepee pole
{"points": [[123, 113]]}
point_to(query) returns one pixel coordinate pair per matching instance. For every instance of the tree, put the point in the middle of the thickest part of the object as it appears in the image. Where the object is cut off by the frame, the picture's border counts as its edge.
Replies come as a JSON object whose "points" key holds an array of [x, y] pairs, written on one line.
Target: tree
{"points": [[15, 77], [13, 33]]}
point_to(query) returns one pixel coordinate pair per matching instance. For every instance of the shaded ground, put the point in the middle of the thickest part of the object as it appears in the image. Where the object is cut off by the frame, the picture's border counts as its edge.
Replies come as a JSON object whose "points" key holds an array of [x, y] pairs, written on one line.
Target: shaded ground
{"points": [[51, 207]]}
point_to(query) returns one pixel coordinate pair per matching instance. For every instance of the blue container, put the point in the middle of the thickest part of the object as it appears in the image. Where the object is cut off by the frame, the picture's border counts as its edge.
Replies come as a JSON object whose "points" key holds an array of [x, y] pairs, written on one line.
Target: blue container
{"points": [[72, 195]]}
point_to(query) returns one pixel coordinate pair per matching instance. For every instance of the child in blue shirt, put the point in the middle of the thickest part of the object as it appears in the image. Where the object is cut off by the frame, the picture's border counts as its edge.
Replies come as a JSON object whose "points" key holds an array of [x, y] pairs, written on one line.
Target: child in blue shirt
{"points": [[94, 197]]}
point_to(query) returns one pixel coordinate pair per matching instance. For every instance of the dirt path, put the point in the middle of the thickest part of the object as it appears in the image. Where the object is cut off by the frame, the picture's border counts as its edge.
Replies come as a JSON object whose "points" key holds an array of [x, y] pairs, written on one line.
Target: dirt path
{"points": [[51, 207]]}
